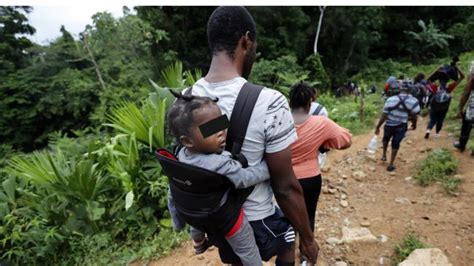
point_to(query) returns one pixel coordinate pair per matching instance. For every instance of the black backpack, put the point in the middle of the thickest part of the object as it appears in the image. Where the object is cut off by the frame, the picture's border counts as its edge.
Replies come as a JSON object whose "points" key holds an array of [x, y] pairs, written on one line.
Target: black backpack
{"points": [[416, 90], [197, 192], [441, 100], [444, 73]]}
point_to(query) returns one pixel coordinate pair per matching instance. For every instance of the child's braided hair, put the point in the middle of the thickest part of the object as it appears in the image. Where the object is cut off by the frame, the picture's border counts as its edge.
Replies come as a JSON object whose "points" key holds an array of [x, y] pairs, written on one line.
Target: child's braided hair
{"points": [[180, 115]]}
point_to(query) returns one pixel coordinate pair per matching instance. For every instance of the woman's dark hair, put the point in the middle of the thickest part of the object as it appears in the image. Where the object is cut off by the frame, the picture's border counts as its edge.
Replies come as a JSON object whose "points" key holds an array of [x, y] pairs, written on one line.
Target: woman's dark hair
{"points": [[300, 94], [455, 60], [226, 26], [419, 78], [180, 115]]}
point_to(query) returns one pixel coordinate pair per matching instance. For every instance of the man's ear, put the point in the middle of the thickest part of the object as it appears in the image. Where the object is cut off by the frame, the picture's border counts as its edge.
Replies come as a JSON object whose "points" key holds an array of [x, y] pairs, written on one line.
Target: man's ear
{"points": [[246, 41], [186, 141]]}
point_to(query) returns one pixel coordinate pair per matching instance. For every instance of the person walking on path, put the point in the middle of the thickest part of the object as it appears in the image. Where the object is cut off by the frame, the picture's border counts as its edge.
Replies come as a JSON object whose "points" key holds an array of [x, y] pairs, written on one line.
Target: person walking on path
{"points": [[313, 132], [468, 115], [231, 33], [441, 98], [397, 111]]}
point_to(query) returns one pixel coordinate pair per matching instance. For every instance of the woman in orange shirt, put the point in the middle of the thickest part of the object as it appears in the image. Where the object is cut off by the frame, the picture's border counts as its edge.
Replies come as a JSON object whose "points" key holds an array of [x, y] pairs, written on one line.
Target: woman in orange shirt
{"points": [[314, 132]]}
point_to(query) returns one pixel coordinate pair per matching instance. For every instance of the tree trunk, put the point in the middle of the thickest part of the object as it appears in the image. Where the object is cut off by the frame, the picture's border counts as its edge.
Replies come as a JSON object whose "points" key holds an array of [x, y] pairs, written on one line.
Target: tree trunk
{"points": [[321, 9], [96, 66]]}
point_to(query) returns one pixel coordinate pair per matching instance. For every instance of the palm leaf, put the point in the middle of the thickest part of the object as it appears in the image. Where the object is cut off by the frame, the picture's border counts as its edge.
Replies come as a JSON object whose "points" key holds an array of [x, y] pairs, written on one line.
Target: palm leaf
{"points": [[173, 75], [147, 124]]}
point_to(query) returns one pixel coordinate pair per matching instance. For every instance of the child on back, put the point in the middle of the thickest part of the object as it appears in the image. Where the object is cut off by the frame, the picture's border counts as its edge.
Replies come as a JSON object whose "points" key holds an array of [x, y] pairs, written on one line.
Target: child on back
{"points": [[185, 117]]}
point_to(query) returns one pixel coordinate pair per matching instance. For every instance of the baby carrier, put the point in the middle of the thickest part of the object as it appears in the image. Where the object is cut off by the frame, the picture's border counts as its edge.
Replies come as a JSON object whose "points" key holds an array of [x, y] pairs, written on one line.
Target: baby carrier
{"points": [[198, 192]]}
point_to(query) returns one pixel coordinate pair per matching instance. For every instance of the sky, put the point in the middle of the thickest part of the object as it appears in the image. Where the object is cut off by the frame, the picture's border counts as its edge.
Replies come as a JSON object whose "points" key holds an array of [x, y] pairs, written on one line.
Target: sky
{"points": [[47, 20]]}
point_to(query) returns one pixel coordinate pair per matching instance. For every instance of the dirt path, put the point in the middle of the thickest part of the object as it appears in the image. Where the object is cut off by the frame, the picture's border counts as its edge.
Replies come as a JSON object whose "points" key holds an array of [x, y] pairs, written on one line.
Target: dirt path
{"points": [[386, 204]]}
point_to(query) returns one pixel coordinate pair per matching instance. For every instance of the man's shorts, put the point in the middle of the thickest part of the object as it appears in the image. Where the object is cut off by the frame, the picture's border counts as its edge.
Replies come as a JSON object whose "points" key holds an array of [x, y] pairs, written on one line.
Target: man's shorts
{"points": [[396, 133], [273, 235]]}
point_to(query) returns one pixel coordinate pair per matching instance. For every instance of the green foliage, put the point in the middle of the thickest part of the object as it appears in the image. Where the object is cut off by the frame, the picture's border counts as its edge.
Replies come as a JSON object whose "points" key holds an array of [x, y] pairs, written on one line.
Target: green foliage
{"points": [[463, 33], [428, 40], [438, 166], [173, 75], [346, 112], [51, 94], [6, 152], [283, 31], [408, 244], [317, 72], [148, 124], [270, 74], [121, 48], [347, 34], [13, 28], [101, 249], [110, 189]]}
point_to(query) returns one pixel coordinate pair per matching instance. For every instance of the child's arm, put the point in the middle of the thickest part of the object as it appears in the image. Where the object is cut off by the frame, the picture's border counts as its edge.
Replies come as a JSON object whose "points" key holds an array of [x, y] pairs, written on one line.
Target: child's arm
{"points": [[244, 177]]}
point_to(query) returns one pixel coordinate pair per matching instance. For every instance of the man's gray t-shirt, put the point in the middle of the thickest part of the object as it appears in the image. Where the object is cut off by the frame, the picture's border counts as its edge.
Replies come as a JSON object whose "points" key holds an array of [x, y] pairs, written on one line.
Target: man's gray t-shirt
{"points": [[271, 129], [397, 116]]}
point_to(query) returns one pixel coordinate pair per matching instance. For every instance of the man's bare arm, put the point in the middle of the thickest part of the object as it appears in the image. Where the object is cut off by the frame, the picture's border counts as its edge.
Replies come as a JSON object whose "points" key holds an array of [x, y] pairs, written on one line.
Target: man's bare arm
{"points": [[289, 196]]}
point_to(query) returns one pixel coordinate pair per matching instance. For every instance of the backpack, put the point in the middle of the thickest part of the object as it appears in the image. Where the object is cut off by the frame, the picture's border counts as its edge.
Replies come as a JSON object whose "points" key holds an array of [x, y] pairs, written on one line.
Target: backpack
{"points": [[441, 99], [197, 192], [470, 109], [444, 73]]}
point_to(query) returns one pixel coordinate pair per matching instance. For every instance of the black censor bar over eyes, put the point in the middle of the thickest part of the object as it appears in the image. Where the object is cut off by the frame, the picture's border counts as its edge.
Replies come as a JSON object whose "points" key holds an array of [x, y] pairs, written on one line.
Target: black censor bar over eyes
{"points": [[215, 125]]}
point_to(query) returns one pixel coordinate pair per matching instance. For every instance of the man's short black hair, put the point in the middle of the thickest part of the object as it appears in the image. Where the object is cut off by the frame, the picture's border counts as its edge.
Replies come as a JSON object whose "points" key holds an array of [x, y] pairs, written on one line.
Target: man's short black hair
{"points": [[226, 26]]}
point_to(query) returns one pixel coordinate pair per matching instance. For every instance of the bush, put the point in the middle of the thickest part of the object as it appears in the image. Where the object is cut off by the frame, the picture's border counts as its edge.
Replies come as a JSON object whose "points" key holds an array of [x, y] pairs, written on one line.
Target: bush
{"points": [[409, 243], [347, 112], [438, 166], [86, 191]]}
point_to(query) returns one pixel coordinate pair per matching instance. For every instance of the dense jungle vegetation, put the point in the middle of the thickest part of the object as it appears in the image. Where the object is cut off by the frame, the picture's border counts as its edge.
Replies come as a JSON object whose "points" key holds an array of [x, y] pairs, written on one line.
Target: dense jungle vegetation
{"points": [[81, 116]]}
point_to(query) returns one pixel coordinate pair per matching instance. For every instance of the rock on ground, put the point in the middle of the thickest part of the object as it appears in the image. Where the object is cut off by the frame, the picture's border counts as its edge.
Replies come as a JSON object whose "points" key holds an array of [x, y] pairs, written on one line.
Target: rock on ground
{"points": [[360, 234], [359, 175], [426, 256]]}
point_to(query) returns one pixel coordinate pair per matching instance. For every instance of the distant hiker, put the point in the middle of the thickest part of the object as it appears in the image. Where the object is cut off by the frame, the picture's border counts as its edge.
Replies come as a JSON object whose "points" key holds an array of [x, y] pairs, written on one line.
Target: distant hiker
{"points": [[467, 115], [418, 89], [232, 37], [397, 111], [441, 98], [318, 109], [373, 89], [314, 132], [185, 118]]}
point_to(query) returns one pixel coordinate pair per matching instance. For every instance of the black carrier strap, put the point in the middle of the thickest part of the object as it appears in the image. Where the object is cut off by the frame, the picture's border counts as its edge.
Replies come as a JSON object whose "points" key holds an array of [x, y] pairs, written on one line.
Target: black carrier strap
{"points": [[239, 120]]}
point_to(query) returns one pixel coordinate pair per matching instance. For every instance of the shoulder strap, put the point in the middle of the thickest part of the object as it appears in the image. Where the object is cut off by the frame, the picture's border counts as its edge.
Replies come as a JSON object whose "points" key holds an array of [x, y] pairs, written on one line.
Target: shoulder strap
{"points": [[240, 117], [318, 109], [189, 91], [402, 103]]}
